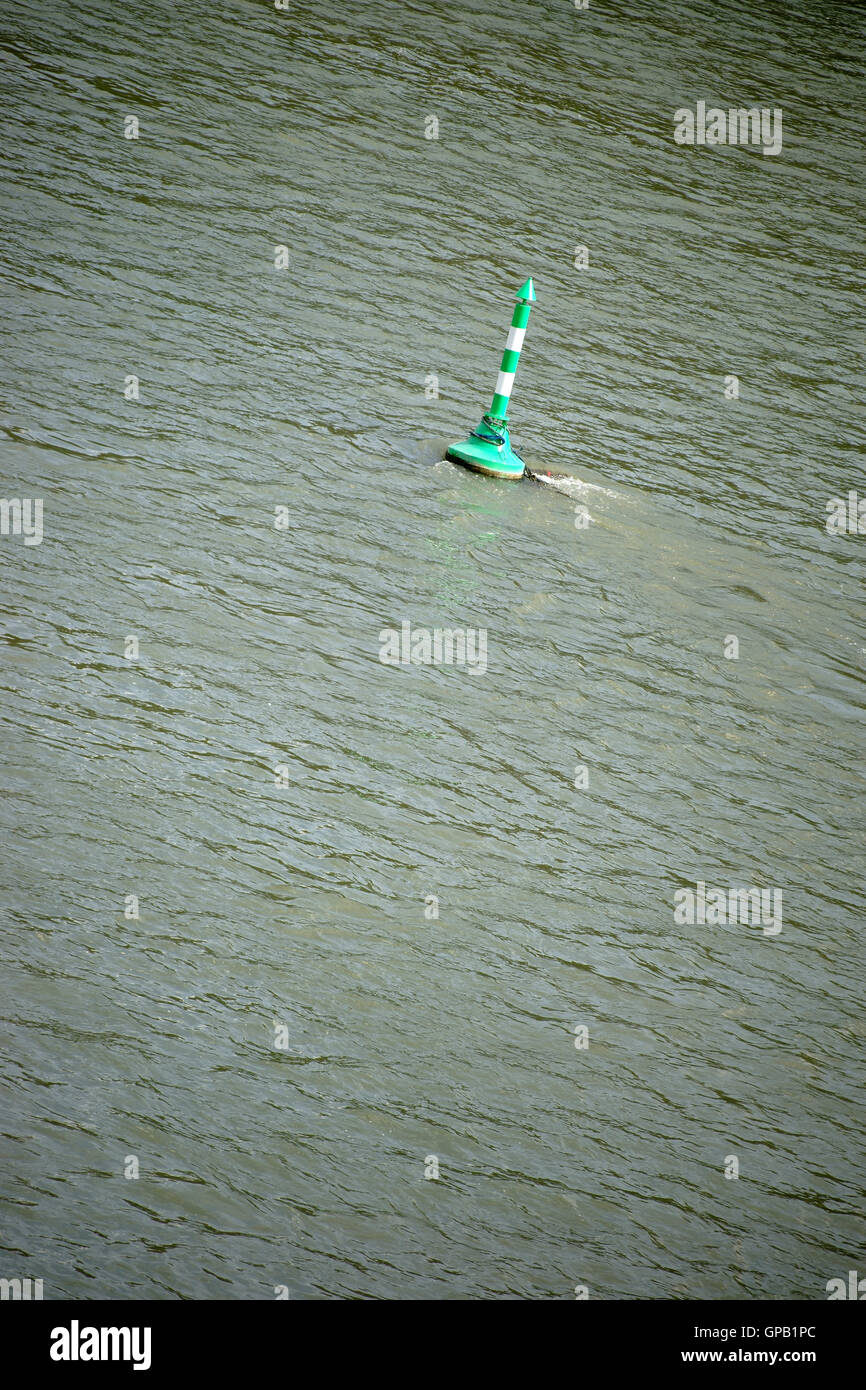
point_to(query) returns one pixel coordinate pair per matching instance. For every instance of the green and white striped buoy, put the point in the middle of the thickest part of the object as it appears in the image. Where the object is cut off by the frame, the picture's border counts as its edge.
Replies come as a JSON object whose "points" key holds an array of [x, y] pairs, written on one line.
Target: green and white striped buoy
{"points": [[488, 449]]}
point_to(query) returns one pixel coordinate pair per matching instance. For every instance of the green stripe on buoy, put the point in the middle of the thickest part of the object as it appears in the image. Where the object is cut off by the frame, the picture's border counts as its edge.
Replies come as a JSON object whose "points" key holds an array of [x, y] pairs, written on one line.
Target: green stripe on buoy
{"points": [[488, 449]]}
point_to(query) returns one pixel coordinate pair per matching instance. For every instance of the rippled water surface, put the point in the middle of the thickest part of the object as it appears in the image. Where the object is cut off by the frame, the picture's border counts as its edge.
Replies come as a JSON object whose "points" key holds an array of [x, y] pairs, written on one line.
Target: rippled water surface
{"points": [[298, 1157]]}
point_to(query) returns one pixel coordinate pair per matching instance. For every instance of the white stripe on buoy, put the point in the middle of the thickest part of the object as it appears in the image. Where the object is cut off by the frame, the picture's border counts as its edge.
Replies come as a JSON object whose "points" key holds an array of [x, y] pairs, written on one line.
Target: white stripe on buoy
{"points": [[504, 383], [515, 339]]}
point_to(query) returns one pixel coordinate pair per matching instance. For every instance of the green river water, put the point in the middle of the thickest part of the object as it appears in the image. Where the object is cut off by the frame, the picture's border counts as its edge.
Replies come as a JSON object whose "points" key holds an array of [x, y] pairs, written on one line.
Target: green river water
{"points": [[223, 966]]}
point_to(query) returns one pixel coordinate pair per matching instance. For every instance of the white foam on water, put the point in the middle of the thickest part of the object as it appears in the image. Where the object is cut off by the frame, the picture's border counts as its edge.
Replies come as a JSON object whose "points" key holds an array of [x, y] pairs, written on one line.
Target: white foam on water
{"points": [[572, 486]]}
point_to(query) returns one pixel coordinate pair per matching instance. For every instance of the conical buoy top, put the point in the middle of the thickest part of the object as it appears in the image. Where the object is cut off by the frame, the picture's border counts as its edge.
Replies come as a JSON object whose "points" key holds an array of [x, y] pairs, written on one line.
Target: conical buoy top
{"points": [[527, 292]]}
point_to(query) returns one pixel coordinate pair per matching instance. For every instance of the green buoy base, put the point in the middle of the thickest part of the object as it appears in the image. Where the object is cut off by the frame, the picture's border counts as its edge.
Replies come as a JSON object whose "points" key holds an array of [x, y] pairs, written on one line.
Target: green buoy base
{"points": [[488, 450]]}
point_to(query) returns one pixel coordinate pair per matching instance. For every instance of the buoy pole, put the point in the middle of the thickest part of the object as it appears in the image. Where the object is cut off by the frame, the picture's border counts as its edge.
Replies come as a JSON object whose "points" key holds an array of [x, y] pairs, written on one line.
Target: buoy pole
{"points": [[511, 355], [488, 449]]}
